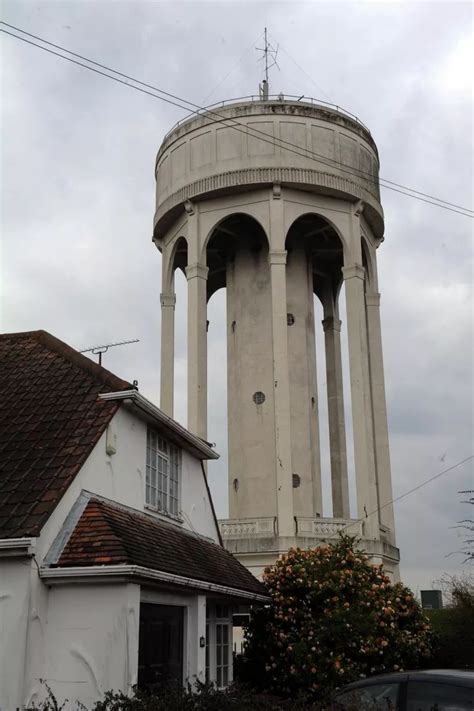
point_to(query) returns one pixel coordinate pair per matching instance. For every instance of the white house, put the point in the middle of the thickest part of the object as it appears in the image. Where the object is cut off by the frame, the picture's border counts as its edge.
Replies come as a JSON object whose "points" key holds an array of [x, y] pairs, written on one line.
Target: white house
{"points": [[112, 571]]}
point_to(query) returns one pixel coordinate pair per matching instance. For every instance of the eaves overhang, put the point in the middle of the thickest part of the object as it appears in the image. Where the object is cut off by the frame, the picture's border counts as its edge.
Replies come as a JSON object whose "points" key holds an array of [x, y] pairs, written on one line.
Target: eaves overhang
{"points": [[123, 573], [17, 547], [180, 435]]}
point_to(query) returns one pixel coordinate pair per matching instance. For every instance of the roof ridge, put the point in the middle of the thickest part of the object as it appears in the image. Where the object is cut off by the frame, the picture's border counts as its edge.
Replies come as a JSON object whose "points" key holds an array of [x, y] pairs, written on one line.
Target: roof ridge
{"points": [[69, 353]]}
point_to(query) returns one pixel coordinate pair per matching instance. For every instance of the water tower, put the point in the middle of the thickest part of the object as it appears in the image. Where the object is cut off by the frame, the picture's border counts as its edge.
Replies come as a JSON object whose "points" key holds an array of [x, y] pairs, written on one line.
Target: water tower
{"points": [[277, 199]]}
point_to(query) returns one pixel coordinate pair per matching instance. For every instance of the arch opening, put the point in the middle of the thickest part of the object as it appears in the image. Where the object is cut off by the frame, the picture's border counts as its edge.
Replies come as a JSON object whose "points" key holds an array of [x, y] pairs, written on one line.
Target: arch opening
{"points": [[316, 252], [237, 232], [237, 260], [181, 346]]}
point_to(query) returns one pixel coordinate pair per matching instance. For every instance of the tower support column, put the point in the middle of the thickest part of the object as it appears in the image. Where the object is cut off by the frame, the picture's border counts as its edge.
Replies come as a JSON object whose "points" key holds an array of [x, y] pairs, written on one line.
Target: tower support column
{"points": [[286, 526], [379, 409], [337, 428], [196, 275], [367, 495], [168, 302]]}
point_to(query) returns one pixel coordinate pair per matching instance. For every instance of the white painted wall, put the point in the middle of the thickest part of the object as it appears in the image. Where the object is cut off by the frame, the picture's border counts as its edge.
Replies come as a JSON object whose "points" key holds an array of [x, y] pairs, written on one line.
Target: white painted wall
{"points": [[14, 614], [121, 477], [83, 639], [90, 642]]}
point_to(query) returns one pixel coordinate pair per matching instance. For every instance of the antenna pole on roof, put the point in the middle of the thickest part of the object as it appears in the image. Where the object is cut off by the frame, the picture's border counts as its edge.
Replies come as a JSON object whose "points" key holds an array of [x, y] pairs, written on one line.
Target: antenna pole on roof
{"points": [[98, 350], [268, 50]]}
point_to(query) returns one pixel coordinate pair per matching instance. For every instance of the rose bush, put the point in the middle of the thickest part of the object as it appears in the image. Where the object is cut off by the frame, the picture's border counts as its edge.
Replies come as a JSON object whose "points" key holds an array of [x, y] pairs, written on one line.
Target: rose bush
{"points": [[334, 618]]}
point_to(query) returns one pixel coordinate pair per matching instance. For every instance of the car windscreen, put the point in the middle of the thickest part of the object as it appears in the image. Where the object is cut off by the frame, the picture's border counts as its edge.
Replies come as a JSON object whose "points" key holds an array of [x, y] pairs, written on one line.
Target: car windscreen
{"points": [[434, 696], [373, 697]]}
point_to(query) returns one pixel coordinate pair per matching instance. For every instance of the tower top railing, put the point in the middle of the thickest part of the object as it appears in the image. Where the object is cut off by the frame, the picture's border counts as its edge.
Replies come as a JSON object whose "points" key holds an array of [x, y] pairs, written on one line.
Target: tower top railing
{"points": [[272, 98]]}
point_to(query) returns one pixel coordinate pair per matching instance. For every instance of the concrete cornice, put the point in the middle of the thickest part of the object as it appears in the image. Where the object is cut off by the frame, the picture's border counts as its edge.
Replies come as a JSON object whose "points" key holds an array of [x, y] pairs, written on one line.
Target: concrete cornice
{"points": [[353, 271], [270, 176], [187, 439], [372, 299], [277, 257], [168, 299], [196, 270], [331, 324], [109, 573]]}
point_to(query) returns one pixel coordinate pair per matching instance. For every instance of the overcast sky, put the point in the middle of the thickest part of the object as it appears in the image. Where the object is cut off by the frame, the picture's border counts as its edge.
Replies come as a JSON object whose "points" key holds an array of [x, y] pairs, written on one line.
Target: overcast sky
{"points": [[78, 157]]}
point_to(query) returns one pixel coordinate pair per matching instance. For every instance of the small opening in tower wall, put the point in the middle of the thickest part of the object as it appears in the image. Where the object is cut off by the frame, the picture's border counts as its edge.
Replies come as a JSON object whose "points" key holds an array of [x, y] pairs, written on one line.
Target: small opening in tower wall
{"points": [[290, 319], [259, 397], [296, 480]]}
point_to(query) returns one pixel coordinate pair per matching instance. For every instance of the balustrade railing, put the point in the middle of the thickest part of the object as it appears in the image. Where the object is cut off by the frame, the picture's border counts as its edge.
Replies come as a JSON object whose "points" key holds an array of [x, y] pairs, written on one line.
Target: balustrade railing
{"points": [[252, 98], [305, 527]]}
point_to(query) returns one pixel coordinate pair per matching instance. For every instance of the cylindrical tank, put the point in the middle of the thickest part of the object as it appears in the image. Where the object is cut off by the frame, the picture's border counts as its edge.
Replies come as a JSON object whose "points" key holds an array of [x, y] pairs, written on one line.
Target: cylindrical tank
{"points": [[243, 145]]}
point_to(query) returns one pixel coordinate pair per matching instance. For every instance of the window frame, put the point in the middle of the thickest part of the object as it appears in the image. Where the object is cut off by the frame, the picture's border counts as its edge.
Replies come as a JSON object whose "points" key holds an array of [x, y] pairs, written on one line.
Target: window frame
{"points": [[163, 475], [218, 619]]}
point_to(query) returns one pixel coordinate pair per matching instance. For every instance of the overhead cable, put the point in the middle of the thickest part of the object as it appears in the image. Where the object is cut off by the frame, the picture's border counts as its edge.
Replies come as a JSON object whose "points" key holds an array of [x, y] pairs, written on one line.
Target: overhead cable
{"points": [[241, 128], [410, 491]]}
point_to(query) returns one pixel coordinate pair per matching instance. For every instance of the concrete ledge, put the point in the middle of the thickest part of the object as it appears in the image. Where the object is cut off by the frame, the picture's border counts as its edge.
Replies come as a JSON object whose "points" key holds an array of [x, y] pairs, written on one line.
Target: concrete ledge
{"points": [[302, 178]]}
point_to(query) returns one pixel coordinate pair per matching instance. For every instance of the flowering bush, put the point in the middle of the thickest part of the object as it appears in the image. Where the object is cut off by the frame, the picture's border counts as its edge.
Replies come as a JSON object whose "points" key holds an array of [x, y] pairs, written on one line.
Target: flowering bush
{"points": [[334, 618]]}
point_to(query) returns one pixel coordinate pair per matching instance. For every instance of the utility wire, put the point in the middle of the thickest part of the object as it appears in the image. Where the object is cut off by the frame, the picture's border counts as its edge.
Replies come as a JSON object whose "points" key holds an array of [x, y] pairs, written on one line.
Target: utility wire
{"points": [[225, 119], [410, 491], [267, 139], [302, 152]]}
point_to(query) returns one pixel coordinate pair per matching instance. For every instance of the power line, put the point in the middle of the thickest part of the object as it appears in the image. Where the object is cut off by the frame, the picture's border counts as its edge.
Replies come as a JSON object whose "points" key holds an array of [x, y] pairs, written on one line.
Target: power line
{"points": [[267, 139], [345, 168], [410, 491], [286, 145], [223, 119]]}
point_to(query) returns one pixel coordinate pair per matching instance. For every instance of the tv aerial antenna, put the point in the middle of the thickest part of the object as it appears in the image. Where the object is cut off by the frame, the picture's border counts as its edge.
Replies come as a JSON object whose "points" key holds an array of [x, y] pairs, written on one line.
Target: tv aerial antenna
{"points": [[269, 56], [99, 350]]}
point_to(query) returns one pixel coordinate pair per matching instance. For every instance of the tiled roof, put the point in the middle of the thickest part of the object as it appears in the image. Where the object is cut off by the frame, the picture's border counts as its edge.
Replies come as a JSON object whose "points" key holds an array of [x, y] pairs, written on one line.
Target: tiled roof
{"points": [[50, 419], [111, 534]]}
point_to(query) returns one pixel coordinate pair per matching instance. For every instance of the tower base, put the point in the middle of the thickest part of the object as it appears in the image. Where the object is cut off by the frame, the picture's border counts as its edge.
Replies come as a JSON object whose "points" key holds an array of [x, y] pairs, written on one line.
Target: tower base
{"points": [[257, 545]]}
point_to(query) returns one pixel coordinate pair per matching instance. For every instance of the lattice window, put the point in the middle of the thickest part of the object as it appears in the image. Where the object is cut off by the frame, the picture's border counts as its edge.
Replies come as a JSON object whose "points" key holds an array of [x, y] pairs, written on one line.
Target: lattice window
{"points": [[163, 466]]}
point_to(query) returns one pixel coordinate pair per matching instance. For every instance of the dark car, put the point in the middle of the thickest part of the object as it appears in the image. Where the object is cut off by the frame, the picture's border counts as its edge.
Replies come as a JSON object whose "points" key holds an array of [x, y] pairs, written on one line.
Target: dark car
{"points": [[432, 690]]}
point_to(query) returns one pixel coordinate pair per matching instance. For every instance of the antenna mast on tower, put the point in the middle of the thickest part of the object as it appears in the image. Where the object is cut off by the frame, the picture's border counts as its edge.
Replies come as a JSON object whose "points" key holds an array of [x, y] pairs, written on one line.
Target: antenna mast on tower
{"points": [[268, 50]]}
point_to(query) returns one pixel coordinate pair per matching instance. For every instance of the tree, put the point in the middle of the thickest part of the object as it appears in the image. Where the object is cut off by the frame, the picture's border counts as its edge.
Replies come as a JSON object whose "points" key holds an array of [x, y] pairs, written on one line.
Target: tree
{"points": [[453, 625], [467, 525], [333, 619]]}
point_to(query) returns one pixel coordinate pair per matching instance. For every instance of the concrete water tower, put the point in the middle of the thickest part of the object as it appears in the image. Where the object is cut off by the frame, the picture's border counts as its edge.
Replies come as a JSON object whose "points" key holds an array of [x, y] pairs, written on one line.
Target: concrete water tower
{"points": [[277, 199]]}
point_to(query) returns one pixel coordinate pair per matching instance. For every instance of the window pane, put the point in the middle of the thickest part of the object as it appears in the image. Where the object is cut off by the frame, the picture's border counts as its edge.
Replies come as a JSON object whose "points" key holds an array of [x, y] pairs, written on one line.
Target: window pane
{"points": [[219, 633], [376, 697], [163, 462], [428, 696]]}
